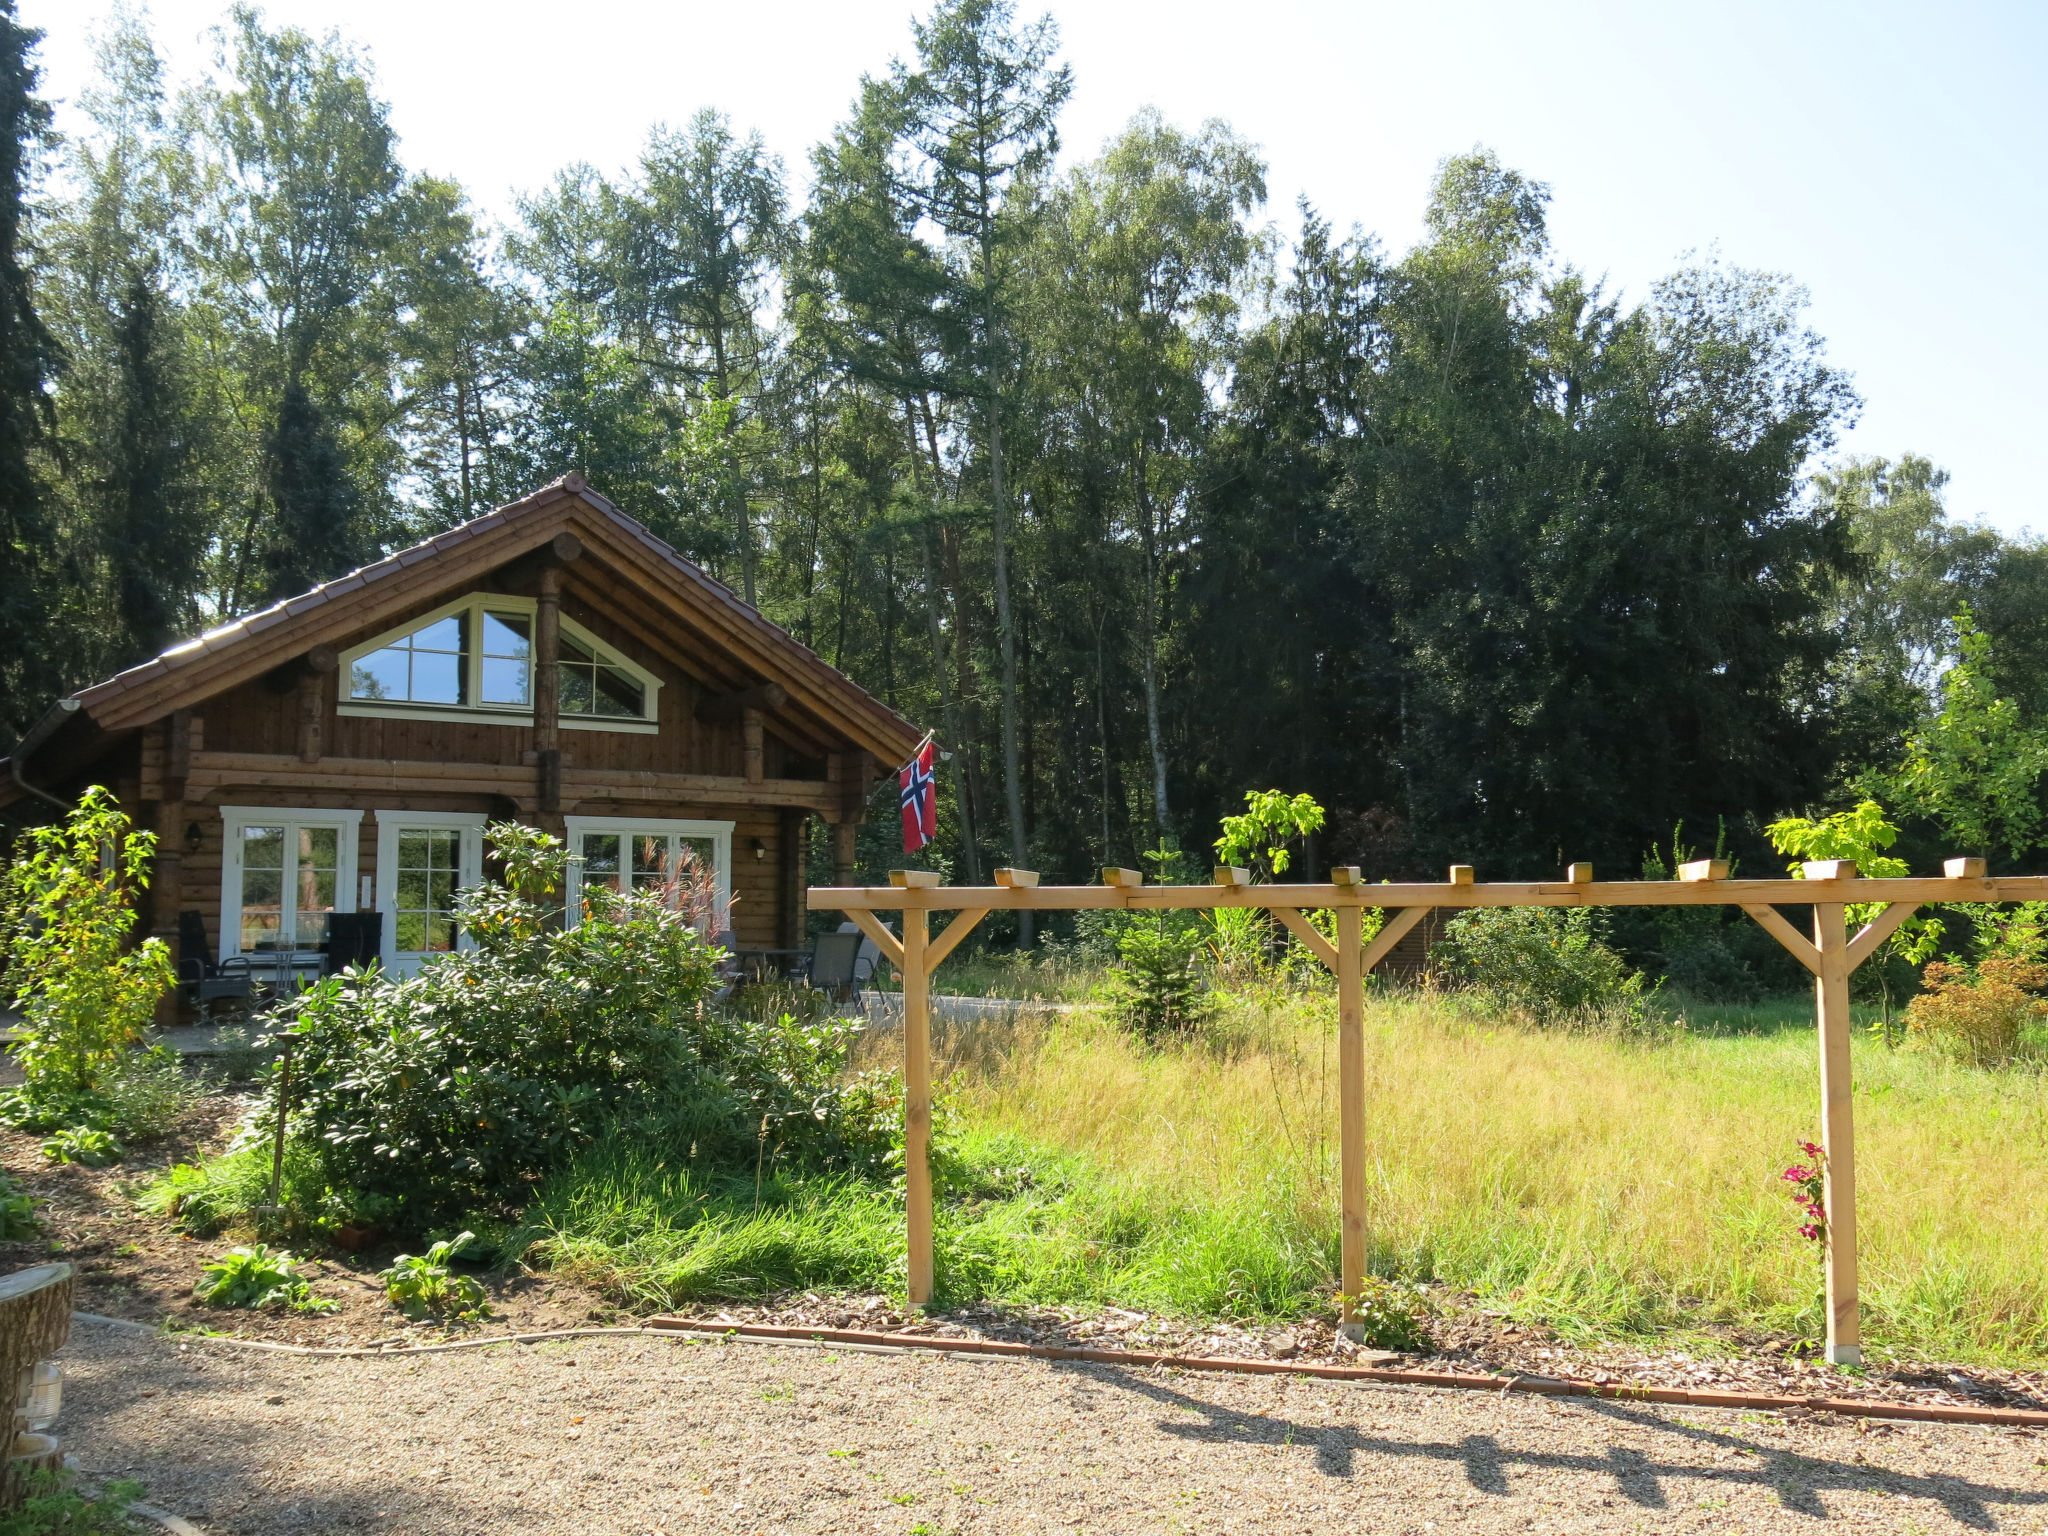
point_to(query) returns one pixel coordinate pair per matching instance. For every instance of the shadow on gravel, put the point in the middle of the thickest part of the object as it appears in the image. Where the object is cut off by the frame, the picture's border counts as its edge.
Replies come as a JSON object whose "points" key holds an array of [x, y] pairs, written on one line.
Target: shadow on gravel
{"points": [[1798, 1481], [223, 1478]]}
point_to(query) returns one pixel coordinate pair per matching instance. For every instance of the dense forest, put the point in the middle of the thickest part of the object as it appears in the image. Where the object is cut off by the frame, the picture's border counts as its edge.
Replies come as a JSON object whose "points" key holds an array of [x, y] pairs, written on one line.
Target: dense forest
{"points": [[1069, 456]]}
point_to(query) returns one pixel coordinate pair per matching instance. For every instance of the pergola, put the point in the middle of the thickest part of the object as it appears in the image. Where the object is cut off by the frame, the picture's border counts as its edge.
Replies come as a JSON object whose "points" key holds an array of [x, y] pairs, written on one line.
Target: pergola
{"points": [[1832, 955]]}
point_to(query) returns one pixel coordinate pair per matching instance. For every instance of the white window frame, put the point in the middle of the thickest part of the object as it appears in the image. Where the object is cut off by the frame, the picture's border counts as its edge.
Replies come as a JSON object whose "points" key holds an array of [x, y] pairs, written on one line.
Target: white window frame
{"points": [[503, 714], [235, 817], [469, 872], [718, 833]]}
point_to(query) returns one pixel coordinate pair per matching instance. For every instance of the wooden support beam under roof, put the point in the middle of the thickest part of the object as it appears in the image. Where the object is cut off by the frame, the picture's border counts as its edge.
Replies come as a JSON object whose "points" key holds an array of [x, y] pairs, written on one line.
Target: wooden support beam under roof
{"points": [[214, 771], [734, 706]]}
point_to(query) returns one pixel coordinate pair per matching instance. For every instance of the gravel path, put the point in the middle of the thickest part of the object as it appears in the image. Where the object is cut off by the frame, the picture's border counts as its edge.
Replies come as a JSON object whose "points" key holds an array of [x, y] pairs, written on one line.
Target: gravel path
{"points": [[629, 1436]]}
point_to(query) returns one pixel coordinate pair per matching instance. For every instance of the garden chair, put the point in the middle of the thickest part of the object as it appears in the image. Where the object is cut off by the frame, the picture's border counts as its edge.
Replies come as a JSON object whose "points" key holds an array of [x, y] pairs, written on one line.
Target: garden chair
{"points": [[200, 979], [353, 939], [727, 974], [869, 957], [835, 959]]}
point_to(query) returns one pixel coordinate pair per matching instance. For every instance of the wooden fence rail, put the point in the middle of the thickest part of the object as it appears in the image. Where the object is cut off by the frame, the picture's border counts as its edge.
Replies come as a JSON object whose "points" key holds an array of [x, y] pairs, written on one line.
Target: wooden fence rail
{"points": [[1832, 955]]}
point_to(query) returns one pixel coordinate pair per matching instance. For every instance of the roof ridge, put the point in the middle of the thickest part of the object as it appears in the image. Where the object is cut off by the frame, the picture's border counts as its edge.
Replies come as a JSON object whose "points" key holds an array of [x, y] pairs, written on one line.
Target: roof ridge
{"points": [[771, 638]]}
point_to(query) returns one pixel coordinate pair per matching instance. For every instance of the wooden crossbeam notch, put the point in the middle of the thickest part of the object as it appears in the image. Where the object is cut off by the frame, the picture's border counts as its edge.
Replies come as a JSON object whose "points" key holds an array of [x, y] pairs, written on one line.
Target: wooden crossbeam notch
{"points": [[1018, 879], [1579, 874], [914, 879], [1828, 869], [1965, 869], [1704, 869], [1124, 879], [1231, 875], [1461, 874]]}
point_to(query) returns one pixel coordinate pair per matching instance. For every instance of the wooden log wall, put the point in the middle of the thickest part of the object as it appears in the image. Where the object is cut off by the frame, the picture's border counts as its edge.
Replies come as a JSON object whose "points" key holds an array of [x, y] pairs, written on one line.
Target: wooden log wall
{"points": [[767, 906]]}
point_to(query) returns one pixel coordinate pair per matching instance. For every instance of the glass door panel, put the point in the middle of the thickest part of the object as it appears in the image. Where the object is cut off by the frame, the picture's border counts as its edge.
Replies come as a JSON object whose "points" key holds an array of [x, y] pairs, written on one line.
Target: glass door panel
{"points": [[428, 875], [263, 881], [316, 877]]}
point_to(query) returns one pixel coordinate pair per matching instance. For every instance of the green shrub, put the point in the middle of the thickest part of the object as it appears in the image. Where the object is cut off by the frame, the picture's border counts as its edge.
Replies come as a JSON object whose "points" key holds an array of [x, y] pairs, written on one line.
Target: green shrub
{"points": [[205, 1197], [1393, 1316], [17, 1213], [423, 1285], [255, 1277], [54, 1508], [84, 1145], [139, 1097], [67, 911], [1547, 963], [147, 1092], [1156, 990], [440, 1099], [1989, 1015], [1710, 970]]}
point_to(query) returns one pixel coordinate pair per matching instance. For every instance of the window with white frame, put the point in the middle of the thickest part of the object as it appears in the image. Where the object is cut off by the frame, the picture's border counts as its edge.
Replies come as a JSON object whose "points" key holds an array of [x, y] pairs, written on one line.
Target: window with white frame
{"points": [[624, 853], [284, 872], [473, 658], [424, 858]]}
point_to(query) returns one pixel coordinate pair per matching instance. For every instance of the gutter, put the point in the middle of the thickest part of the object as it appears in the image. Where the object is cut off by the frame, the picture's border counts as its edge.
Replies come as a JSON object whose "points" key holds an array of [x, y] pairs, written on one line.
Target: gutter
{"points": [[53, 720]]}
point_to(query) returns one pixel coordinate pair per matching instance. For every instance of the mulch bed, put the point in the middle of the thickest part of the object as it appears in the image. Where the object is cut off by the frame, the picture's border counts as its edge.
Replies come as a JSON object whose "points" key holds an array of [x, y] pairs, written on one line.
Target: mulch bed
{"points": [[138, 1267]]}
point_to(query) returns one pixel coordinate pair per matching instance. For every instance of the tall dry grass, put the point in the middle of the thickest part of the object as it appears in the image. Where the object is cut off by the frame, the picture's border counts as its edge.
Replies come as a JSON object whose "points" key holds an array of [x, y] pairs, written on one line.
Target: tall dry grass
{"points": [[1598, 1182]]}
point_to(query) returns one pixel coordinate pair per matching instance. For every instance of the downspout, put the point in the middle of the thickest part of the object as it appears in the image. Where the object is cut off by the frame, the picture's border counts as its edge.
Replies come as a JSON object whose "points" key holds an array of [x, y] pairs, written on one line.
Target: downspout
{"points": [[53, 720]]}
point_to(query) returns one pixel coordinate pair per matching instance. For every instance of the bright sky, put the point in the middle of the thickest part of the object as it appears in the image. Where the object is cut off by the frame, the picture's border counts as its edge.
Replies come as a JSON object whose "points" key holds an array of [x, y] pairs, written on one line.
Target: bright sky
{"points": [[1888, 156]]}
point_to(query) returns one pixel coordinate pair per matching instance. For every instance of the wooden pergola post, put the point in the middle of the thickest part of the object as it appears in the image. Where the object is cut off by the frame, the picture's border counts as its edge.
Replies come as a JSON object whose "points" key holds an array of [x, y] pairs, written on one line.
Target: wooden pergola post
{"points": [[1838, 1131], [917, 1104], [1351, 1107]]}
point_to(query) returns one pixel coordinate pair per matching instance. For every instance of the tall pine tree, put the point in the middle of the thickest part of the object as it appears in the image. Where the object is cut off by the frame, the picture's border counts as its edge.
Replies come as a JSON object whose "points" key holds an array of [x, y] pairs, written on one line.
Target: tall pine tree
{"points": [[28, 361], [314, 532]]}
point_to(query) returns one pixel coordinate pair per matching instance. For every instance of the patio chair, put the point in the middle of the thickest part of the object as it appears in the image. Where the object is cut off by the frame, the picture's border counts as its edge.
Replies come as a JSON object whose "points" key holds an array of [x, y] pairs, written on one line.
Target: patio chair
{"points": [[727, 973], [202, 981], [869, 959], [353, 939], [834, 965]]}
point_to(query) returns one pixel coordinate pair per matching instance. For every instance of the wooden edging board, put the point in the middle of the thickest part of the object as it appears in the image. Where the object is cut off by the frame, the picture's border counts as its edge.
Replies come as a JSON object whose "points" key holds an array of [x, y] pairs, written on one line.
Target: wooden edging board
{"points": [[1547, 1386]]}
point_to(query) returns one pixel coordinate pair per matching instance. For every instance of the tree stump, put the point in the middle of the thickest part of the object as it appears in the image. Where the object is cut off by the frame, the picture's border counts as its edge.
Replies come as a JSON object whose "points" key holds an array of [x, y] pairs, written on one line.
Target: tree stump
{"points": [[35, 1320]]}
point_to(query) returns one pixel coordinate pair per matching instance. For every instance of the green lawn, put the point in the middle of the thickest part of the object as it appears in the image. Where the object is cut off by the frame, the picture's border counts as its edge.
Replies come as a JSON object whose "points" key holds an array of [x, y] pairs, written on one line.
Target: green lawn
{"points": [[1604, 1185]]}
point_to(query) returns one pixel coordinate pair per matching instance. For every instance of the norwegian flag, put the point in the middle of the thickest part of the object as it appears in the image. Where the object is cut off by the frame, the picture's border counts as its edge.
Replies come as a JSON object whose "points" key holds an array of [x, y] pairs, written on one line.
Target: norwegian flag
{"points": [[920, 799]]}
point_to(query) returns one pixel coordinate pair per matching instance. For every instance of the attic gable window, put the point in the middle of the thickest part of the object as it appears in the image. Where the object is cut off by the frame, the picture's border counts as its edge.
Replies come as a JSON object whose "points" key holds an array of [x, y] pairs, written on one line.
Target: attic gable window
{"points": [[473, 658]]}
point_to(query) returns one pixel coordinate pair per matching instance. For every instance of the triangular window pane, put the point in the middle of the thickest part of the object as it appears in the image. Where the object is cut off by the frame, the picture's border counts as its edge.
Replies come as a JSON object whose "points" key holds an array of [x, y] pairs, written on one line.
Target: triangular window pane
{"points": [[428, 666]]}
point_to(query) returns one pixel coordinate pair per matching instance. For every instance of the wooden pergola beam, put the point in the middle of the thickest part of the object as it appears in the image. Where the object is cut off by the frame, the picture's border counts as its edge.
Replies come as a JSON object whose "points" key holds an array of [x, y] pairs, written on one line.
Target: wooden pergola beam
{"points": [[1920, 890]]}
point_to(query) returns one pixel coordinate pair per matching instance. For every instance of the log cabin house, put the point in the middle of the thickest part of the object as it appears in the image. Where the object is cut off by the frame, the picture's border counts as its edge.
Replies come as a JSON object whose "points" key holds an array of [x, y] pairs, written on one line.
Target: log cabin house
{"points": [[551, 661]]}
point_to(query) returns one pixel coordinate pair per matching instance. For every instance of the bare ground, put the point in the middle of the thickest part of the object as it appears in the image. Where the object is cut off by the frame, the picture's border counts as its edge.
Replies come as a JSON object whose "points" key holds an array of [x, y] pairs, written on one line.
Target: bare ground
{"points": [[632, 1435]]}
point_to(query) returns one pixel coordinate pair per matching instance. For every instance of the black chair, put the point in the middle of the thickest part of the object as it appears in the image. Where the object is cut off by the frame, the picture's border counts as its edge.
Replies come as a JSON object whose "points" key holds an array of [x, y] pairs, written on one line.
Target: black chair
{"points": [[353, 939], [835, 964], [201, 980]]}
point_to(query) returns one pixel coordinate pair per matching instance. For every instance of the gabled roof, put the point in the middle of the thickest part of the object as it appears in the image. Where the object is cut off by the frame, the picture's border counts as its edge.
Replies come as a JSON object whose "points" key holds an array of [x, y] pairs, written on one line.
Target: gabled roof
{"points": [[704, 610]]}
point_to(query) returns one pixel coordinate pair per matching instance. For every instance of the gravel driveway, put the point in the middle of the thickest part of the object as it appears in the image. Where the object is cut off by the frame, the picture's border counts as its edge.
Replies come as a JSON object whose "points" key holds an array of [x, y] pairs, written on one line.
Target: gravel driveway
{"points": [[629, 1435]]}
